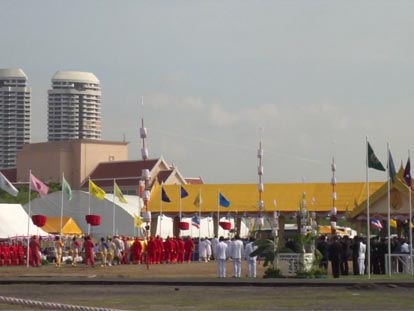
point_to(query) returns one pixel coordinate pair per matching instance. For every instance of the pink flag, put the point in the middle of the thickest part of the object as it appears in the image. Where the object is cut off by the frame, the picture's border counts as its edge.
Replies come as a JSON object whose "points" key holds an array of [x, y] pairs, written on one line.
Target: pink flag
{"points": [[38, 186]]}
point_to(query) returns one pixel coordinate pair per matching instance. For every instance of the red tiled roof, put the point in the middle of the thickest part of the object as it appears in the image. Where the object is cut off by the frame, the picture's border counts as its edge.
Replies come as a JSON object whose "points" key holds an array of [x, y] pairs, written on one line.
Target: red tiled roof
{"points": [[163, 175], [126, 173], [194, 181]]}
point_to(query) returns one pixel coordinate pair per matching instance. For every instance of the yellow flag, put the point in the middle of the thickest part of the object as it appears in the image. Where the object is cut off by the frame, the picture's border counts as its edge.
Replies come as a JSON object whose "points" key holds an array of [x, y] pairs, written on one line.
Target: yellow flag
{"points": [[393, 223], [138, 221], [198, 201], [96, 191], [118, 194]]}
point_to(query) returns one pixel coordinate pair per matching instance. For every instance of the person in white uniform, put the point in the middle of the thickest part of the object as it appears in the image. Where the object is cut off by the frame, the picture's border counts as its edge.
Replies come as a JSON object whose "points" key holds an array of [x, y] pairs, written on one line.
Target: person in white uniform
{"points": [[237, 253], [361, 257], [251, 261], [221, 257]]}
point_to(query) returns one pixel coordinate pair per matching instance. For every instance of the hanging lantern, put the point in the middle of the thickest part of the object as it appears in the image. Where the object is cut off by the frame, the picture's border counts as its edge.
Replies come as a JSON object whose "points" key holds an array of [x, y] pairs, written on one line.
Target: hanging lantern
{"points": [[145, 174], [333, 211], [143, 132], [93, 220], [226, 225], [39, 220], [141, 188], [183, 225], [146, 216], [144, 153], [261, 204]]}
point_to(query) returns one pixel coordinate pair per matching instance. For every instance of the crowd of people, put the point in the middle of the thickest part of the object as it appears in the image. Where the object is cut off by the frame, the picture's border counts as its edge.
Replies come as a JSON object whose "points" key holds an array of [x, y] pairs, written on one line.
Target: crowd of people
{"points": [[345, 254], [118, 250]]}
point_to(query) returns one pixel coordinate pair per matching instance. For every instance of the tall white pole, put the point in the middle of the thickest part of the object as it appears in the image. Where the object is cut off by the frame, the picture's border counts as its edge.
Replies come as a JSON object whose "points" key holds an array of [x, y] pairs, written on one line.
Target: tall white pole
{"points": [[411, 219], [61, 208], [389, 209], [368, 215], [113, 212], [161, 211], [218, 213], [28, 220], [89, 204], [199, 213]]}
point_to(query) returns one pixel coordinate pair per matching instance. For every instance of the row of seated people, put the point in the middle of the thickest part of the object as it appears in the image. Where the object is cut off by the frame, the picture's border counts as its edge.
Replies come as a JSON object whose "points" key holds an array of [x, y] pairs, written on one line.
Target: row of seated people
{"points": [[12, 254]]}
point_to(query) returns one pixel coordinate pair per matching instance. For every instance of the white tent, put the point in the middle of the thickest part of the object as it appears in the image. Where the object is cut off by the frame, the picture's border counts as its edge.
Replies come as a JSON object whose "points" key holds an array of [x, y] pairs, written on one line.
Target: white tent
{"points": [[13, 219], [83, 204]]}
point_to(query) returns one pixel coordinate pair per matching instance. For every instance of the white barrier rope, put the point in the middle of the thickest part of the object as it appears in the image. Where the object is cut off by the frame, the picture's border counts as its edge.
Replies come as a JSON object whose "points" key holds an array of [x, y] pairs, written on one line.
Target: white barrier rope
{"points": [[49, 305]]}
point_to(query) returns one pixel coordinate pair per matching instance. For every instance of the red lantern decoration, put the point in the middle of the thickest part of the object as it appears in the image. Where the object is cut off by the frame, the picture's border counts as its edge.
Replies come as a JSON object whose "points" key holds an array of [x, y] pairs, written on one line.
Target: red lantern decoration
{"points": [[225, 225], [93, 220], [39, 220], [184, 225]]}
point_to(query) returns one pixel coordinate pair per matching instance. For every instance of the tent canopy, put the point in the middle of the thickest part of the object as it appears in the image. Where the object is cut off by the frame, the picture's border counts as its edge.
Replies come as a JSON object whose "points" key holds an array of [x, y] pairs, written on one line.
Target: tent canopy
{"points": [[69, 226], [13, 219]]}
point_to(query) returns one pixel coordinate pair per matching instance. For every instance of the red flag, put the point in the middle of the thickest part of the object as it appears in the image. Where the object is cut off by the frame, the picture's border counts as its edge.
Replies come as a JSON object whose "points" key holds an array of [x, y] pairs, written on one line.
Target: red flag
{"points": [[38, 186]]}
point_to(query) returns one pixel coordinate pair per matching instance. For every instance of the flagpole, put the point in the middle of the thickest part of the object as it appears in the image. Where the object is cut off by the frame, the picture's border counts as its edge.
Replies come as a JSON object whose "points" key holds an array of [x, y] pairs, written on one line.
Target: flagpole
{"points": [[89, 203], [389, 208], [368, 216], [28, 219], [161, 211], [411, 217], [218, 213], [113, 212], [199, 213], [61, 207]]}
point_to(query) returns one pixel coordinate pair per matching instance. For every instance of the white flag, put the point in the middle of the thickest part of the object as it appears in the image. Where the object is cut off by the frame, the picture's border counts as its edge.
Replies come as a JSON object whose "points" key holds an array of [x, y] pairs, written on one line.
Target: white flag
{"points": [[7, 186]]}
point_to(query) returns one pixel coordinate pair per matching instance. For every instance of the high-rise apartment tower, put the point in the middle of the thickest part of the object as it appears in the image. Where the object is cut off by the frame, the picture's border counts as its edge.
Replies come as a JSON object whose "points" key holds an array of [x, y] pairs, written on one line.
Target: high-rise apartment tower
{"points": [[14, 115], [74, 106]]}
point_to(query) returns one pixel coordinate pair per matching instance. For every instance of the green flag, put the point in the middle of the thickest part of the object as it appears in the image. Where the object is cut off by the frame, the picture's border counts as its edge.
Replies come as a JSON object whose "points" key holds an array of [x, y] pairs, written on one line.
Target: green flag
{"points": [[391, 167], [67, 190], [373, 161]]}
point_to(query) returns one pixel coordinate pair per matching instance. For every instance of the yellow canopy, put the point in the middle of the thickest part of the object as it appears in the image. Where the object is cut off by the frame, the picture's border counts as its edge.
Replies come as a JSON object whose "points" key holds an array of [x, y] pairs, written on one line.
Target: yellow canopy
{"points": [[245, 197], [69, 226]]}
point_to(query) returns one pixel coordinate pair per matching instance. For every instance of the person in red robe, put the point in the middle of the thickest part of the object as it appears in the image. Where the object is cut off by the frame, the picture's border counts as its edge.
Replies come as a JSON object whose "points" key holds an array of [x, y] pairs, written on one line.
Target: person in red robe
{"points": [[180, 250], [151, 250], [34, 256], [136, 251], [89, 246], [188, 249]]}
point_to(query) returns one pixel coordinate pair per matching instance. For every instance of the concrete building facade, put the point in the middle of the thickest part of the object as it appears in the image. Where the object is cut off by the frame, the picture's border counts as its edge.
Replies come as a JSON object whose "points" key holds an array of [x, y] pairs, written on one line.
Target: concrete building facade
{"points": [[75, 158], [15, 99], [74, 106]]}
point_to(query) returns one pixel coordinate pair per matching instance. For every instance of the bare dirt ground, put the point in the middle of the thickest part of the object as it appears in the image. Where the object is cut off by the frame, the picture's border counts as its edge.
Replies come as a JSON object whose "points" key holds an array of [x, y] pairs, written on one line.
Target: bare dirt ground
{"points": [[199, 295]]}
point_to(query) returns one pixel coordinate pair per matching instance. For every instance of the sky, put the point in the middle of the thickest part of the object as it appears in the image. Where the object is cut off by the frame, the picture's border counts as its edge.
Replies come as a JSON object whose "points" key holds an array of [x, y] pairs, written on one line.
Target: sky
{"points": [[309, 79]]}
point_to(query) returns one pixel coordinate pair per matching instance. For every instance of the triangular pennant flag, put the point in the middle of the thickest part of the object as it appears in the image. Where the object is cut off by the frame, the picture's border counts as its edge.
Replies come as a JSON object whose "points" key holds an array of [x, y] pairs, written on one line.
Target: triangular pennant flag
{"points": [[223, 201], [373, 161], [38, 186], [67, 190], [391, 167], [118, 194], [7, 186], [138, 221], [183, 192], [407, 173], [96, 191], [164, 196], [198, 200]]}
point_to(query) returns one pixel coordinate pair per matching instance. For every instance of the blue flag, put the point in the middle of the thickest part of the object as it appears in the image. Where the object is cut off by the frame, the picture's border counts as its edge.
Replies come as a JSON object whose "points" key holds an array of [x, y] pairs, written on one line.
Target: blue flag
{"points": [[407, 173], [223, 201], [183, 192], [164, 196]]}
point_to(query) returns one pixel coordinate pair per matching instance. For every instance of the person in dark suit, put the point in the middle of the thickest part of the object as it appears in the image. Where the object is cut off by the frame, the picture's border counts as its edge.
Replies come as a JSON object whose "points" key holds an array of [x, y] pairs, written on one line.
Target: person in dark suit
{"points": [[335, 256], [355, 254]]}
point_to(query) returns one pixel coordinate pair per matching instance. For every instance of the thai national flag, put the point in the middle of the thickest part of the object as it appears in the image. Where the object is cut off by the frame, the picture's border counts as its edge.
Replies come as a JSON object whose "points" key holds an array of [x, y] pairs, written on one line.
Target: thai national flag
{"points": [[195, 221], [376, 223]]}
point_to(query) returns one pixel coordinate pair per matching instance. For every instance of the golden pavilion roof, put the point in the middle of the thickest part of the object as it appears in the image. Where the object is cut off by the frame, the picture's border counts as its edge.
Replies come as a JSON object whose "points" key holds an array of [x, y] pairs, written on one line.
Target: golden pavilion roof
{"points": [[245, 197]]}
